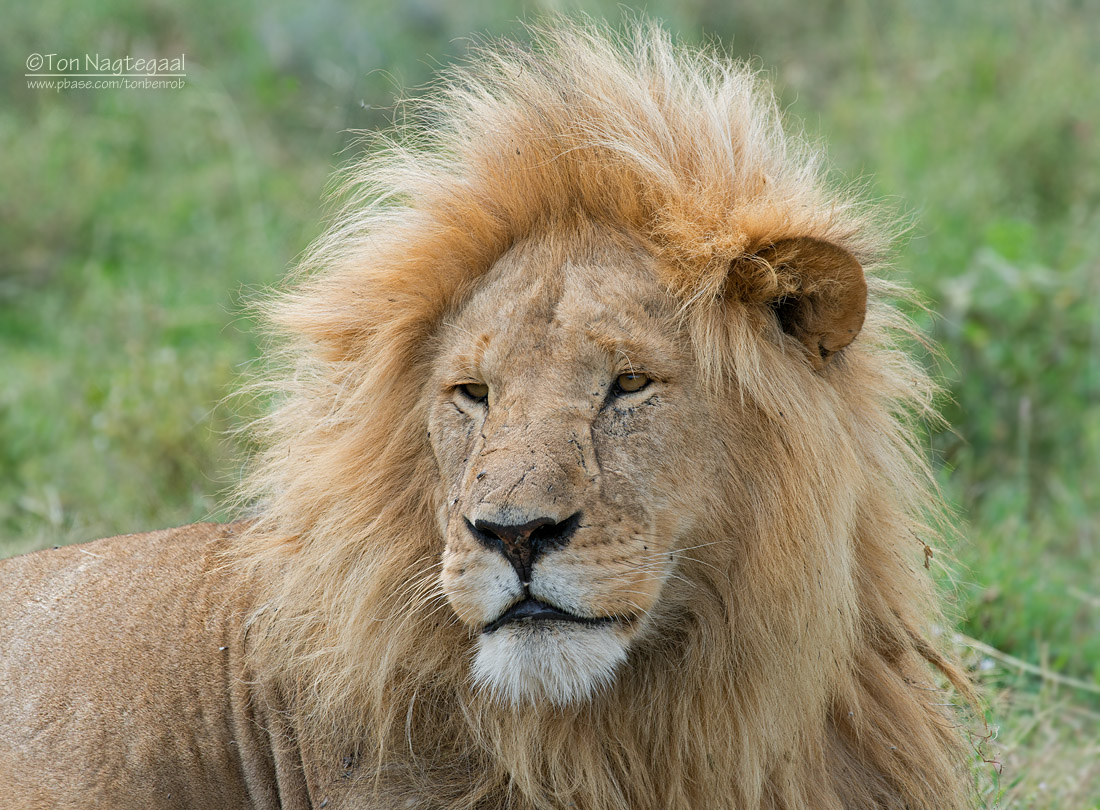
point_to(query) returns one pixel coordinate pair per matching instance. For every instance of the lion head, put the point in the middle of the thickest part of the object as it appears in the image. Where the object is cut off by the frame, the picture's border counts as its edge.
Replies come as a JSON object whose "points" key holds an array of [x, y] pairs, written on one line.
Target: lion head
{"points": [[593, 479], [578, 448]]}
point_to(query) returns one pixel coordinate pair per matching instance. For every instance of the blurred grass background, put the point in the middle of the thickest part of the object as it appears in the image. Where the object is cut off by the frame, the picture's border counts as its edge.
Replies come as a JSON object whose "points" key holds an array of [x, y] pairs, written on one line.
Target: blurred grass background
{"points": [[134, 225]]}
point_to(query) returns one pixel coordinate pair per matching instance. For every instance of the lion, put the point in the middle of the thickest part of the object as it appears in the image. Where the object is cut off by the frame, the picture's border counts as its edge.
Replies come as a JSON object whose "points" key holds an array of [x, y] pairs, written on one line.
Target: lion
{"points": [[592, 481]]}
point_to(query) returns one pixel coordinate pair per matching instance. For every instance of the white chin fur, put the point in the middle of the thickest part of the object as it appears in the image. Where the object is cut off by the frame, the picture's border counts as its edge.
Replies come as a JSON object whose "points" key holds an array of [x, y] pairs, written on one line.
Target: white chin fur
{"points": [[560, 663]]}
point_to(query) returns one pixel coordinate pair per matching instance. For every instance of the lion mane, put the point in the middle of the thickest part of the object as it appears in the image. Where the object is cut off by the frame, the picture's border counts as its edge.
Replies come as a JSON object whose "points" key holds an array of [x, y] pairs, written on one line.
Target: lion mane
{"points": [[801, 672]]}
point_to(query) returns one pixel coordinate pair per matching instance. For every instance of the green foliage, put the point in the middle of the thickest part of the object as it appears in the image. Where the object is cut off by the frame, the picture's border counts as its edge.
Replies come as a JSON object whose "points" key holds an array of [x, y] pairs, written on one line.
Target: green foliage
{"points": [[136, 225]]}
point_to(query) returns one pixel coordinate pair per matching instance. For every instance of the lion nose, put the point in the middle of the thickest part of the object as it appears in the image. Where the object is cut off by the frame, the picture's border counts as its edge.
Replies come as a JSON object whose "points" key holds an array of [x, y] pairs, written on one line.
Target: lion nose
{"points": [[523, 543]]}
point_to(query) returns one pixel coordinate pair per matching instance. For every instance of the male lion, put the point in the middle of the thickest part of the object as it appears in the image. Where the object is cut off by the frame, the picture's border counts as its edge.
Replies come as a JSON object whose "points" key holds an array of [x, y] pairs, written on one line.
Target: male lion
{"points": [[592, 485]]}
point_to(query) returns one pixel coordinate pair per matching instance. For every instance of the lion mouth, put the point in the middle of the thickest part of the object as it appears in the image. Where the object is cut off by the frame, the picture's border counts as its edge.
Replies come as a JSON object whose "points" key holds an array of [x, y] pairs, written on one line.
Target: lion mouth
{"points": [[533, 611]]}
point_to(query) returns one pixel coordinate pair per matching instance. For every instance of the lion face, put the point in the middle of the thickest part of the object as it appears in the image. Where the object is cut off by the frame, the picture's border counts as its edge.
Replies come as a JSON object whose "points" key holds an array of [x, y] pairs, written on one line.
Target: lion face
{"points": [[564, 425]]}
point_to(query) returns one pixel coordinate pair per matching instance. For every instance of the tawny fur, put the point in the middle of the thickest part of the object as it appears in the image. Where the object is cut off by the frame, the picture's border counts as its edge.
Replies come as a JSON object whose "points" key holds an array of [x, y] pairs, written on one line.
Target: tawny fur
{"points": [[823, 697]]}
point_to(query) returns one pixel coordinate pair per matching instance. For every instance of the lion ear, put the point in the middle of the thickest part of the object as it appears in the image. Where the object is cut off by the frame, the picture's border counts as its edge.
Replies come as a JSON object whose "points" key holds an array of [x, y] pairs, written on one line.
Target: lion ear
{"points": [[825, 311]]}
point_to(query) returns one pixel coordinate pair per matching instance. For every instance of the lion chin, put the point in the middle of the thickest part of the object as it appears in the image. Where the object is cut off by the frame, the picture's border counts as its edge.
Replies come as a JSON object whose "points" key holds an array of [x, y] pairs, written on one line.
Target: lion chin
{"points": [[558, 662]]}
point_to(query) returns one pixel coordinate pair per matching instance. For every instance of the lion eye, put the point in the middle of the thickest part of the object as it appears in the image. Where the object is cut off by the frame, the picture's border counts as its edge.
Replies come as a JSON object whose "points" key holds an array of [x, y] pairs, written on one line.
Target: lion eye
{"points": [[630, 382], [475, 391]]}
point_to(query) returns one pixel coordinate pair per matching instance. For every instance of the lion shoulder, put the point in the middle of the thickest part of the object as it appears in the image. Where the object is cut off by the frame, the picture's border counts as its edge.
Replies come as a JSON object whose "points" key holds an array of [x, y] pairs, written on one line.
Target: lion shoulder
{"points": [[117, 651]]}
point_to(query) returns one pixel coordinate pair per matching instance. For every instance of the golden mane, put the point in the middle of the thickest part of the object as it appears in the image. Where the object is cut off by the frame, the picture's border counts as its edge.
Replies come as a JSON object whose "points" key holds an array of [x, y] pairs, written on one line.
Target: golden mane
{"points": [[687, 152]]}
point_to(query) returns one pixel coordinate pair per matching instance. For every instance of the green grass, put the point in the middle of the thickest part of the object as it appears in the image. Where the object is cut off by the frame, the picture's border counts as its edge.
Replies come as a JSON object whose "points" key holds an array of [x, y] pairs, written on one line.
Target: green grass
{"points": [[135, 225]]}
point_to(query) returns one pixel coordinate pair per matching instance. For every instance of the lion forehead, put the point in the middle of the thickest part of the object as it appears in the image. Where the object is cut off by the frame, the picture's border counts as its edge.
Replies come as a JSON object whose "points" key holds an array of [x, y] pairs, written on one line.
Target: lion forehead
{"points": [[594, 299]]}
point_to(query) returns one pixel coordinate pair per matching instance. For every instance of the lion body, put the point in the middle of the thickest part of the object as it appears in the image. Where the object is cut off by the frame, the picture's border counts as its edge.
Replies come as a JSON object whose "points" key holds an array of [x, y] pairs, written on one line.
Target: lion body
{"points": [[593, 484]]}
